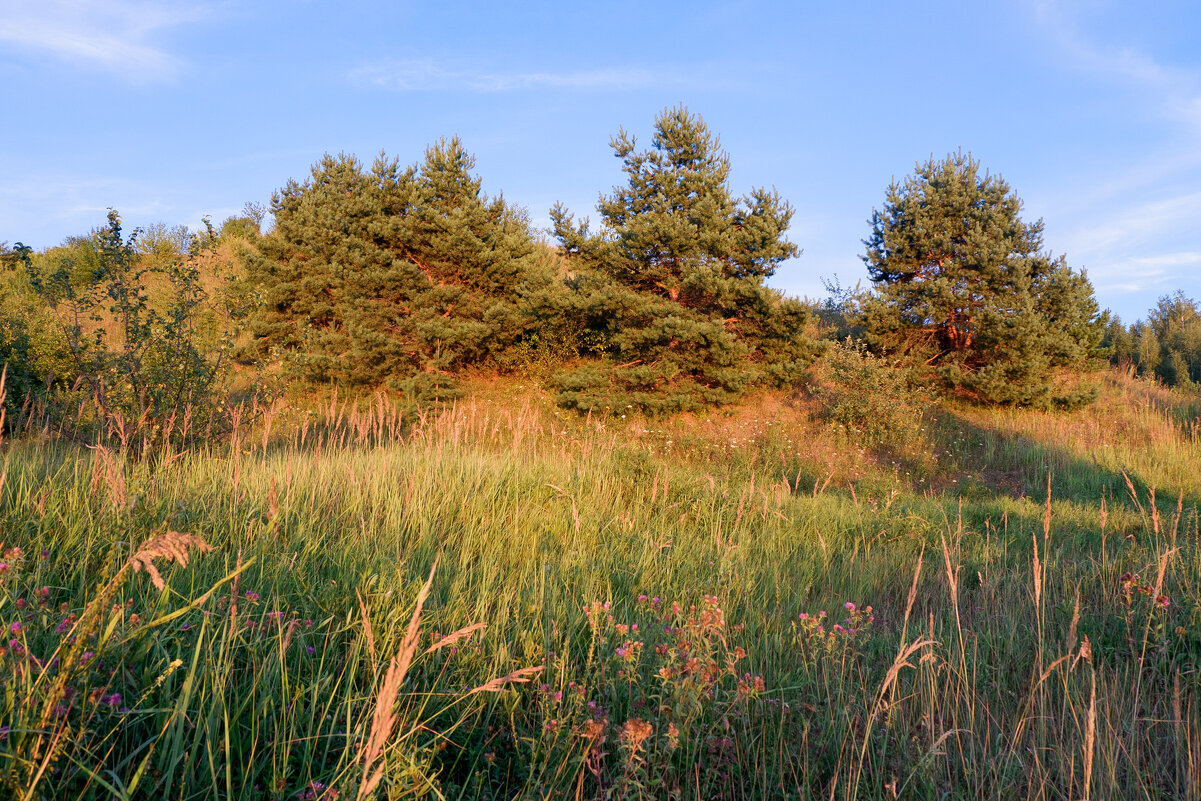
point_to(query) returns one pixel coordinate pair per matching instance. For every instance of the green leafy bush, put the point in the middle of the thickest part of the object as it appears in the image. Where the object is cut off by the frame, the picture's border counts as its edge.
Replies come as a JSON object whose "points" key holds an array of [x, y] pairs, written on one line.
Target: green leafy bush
{"points": [[148, 369], [876, 400]]}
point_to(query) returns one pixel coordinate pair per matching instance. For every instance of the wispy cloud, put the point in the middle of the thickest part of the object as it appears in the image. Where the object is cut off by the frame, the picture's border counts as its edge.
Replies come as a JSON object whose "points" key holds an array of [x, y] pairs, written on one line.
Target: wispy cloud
{"points": [[1145, 248], [417, 75], [1134, 227], [1174, 90], [119, 36]]}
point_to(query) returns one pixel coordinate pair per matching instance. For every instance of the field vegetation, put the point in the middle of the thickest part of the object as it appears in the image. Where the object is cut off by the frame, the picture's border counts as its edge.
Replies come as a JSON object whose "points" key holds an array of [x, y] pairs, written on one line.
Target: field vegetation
{"points": [[507, 599], [391, 499]]}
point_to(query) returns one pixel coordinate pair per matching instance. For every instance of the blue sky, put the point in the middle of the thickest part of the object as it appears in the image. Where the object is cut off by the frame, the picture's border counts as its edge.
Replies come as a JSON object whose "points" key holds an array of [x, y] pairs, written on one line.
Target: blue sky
{"points": [[1091, 109]]}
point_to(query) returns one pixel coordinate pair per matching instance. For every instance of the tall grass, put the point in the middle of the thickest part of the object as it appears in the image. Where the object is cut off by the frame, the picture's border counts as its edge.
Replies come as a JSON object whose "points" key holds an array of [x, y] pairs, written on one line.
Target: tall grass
{"points": [[635, 610]]}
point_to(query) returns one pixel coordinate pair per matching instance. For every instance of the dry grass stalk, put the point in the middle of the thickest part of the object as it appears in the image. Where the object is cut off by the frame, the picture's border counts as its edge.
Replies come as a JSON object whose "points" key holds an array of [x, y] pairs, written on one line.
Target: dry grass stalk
{"points": [[1133, 493], [172, 546], [455, 637], [109, 472], [904, 654], [1090, 732], [519, 676], [917, 572], [368, 634], [383, 721]]}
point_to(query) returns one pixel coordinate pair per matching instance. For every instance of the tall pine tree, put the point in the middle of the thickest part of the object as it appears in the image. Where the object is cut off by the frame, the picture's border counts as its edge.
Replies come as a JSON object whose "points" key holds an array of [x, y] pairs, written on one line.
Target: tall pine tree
{"points": [[673, 282], [964, 288], [394, 275]]}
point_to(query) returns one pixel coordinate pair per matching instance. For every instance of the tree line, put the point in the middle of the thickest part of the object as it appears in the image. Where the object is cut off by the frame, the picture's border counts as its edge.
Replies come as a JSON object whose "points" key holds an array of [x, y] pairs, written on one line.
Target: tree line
{"points": [[1166, 345], [406, 276]]}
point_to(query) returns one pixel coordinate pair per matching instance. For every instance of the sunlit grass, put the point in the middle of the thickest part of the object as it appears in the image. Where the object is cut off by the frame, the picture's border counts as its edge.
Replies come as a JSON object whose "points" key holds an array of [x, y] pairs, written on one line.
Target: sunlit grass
{"points": [[668, 577]]}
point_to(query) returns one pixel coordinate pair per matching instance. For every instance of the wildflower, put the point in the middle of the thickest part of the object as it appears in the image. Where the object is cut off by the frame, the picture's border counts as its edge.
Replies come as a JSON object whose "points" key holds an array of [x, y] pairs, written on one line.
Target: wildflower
{"points": [[15, 627], [112, 700], [316, 791], [850, 607], [1163, 602], [641, 599], [635, 732], [251, 596], [310, 649], [4, 733]]}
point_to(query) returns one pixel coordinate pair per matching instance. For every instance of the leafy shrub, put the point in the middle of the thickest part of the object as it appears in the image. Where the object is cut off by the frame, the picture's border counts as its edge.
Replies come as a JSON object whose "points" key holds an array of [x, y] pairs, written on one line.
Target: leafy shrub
{"points": [[149, 371], [32, 356], [873, 398]]}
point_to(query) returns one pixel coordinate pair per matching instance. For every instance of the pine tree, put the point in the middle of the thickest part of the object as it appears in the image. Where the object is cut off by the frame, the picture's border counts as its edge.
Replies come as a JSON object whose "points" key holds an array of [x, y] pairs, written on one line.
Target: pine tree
{"points": [[394, 275], [964, 288], [673, 283]]}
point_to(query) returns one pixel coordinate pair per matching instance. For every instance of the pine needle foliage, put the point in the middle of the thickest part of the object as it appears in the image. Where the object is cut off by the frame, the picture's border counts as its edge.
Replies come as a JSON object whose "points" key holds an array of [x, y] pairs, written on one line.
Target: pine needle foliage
{"points": [[964, 289], [391, 275], [673, 281]]}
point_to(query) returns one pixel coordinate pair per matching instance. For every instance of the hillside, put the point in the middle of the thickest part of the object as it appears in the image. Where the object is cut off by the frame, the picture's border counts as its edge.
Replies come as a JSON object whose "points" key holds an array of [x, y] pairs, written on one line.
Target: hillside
{"points": [[748, 603]]}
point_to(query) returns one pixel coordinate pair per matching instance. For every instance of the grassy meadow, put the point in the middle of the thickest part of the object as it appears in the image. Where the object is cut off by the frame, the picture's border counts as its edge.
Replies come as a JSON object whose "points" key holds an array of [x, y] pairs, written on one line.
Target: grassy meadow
{"points": [[502, 599]]}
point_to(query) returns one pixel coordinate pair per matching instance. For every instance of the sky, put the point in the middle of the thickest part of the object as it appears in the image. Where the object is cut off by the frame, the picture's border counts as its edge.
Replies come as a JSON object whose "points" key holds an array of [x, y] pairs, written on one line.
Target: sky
{"points": [[170, 111]]}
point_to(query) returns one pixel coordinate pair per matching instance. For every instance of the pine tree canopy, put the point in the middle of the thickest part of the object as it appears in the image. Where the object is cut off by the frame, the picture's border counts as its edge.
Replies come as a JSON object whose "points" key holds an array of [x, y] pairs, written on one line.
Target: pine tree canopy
{"points": [[963, 287], [673, 282], [391, 274]]}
